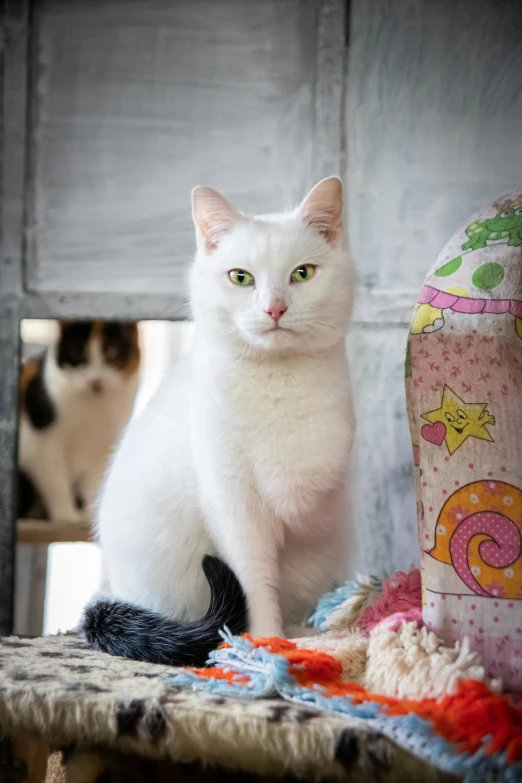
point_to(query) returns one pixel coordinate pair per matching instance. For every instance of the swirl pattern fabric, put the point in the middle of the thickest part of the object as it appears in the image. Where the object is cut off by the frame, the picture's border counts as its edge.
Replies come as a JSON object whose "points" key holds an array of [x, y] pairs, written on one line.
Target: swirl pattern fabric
{"points": [[464, 391]]}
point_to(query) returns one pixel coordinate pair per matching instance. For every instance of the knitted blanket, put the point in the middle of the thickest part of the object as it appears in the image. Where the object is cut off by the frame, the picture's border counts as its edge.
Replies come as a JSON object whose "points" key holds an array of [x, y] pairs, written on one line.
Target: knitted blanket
{"points": [[375, 662]]}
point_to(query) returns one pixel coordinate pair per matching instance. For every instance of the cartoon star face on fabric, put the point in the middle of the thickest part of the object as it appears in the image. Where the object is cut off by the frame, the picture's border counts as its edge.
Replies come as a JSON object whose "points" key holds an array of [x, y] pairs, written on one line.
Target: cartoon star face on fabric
{"points": [[460, 420]]}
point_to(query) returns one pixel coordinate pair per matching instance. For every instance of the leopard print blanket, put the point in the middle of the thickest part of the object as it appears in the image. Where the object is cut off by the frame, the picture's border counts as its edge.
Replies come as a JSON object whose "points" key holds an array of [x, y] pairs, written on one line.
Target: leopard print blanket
{"points": [[72, 697]]}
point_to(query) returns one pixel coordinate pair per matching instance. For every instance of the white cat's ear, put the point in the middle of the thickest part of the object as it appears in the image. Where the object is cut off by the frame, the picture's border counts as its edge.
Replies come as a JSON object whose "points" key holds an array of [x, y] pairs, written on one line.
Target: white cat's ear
{"points": [[322, 209], [213, 216]]}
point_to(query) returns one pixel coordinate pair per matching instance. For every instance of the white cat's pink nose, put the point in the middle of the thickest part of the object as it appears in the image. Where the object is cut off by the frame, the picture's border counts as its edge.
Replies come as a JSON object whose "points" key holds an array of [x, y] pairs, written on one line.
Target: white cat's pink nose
{"points": [[276, 310]]}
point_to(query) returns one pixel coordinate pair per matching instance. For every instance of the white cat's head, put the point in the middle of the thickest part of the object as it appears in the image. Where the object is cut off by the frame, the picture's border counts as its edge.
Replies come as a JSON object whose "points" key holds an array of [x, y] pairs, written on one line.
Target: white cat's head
{"points": [[273, 282]]}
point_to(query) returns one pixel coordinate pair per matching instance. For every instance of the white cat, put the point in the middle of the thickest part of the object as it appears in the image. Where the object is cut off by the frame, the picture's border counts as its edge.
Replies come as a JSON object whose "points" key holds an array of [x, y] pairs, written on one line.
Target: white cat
{"points": [[244, 450]]}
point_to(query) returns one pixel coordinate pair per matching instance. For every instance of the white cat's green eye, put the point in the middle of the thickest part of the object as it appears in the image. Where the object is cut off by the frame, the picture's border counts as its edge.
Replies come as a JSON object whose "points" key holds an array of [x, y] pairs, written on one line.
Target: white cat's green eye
{"points": [[241, 277], [303, 273]]}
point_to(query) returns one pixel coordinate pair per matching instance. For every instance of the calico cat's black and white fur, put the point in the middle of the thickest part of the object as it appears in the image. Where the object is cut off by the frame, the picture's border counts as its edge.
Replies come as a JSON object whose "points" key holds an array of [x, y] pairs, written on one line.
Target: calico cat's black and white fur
{"points": [[75, 400]]}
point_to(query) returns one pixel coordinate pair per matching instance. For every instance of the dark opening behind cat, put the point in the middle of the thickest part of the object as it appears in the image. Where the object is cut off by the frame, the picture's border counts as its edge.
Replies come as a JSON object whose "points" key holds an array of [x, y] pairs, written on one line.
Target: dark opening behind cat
{"points": [[75, 400]]}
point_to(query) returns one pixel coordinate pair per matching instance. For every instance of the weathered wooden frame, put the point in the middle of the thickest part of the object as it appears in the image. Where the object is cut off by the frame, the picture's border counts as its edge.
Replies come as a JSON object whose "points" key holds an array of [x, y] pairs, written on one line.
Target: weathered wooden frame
{"points": [[16, 302]]}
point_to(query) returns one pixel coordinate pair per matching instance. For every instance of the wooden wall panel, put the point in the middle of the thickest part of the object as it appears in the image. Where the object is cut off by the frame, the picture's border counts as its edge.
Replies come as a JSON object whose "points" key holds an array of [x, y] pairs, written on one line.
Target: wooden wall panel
{"points": [[134, 103], [383, 517], [434, 111], [433, 132]]}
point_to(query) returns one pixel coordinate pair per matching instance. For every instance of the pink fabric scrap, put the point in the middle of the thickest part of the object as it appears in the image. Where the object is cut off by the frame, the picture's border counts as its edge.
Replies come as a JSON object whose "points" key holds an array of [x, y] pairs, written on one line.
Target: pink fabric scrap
{"points": [[394, 621], [400, 601]]}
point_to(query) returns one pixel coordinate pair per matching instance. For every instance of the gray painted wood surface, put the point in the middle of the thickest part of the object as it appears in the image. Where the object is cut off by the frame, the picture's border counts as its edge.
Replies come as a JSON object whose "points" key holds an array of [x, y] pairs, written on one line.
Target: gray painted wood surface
{"points": [[9, 361], [136, 102], [130, 109], [383, 517], [30, 581], [14, 67], [12, 172], [433, 119], [434, 110], [130, 104]]}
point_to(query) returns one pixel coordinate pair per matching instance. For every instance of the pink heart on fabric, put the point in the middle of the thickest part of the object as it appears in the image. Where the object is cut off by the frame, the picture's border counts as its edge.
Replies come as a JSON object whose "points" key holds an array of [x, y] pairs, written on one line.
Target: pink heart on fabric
{"points": [[434, 433]]}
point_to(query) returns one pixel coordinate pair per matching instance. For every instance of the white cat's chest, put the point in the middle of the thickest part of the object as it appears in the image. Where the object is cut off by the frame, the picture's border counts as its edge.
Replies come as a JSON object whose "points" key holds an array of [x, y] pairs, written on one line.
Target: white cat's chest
{"points": [[284, 429]]}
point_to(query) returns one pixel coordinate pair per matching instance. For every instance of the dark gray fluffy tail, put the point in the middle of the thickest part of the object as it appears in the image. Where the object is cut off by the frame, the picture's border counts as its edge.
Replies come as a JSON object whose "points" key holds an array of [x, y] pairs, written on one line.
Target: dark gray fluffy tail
{"points": [[123, 629]]}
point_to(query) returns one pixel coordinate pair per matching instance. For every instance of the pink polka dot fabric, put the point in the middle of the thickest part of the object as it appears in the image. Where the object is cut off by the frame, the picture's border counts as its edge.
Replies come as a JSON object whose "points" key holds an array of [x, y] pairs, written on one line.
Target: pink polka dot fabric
{"points": [[500, 550], [464, 392]]}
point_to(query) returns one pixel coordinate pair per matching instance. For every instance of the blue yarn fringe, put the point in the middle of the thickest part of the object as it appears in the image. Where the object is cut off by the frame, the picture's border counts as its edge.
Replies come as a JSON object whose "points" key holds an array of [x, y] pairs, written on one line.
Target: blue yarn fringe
{"points": [[332, 601]]}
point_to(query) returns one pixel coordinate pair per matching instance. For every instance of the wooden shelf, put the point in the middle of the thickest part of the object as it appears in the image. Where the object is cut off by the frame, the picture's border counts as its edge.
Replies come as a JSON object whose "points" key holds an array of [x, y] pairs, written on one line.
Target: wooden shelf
{"points": [[35, 531]]}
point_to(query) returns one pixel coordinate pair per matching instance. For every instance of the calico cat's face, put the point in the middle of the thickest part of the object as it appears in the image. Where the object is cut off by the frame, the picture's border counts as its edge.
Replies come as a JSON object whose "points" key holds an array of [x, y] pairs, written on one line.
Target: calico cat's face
{"points": [[97, 356], [276, 282]]}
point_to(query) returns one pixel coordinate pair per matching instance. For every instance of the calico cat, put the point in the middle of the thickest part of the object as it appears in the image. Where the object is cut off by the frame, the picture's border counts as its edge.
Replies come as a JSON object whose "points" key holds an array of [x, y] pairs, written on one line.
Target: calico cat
{"points": [[243, 453], [75, 400]]}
